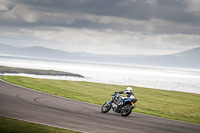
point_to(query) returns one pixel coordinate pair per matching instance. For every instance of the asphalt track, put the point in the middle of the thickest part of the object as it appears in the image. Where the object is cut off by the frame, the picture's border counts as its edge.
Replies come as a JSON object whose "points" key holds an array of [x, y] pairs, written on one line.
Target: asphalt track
{"points": [[25, 104]]}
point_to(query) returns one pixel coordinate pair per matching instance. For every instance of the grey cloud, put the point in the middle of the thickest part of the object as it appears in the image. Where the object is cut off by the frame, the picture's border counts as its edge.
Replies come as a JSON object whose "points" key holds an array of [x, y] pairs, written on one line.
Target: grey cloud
{"points": [[6, 6], [175, 11], [125, 9], [171, 13], [171, 10]]}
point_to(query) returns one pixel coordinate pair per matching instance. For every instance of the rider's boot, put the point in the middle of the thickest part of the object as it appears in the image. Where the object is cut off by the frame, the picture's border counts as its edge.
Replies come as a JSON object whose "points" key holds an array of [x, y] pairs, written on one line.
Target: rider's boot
{"points": [[133, 106]]}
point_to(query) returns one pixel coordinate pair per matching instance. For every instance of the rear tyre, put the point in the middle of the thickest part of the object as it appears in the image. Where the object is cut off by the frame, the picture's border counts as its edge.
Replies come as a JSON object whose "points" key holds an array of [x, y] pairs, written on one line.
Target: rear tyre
{"points": [[127, 110], [106, 107]]}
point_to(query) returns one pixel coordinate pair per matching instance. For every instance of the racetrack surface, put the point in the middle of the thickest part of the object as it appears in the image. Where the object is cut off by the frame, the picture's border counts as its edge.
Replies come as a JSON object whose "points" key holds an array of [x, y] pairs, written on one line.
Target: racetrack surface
{"points": [[26, 104]]}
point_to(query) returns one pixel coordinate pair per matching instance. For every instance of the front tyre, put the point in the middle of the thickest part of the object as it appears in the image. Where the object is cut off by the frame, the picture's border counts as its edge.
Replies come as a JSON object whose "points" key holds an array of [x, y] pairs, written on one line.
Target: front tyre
{"points": [[127, 109], [106, 107]]}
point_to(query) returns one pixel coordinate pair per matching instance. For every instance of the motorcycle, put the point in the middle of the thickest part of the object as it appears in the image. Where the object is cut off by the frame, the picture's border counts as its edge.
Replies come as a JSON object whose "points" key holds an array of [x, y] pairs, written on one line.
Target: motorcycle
{"points": [[119, 104]]}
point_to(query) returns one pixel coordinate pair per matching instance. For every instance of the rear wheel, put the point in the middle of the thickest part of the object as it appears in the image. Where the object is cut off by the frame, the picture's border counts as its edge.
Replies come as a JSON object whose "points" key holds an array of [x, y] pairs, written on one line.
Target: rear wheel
{"points": [[106, 107], [127, 109]]}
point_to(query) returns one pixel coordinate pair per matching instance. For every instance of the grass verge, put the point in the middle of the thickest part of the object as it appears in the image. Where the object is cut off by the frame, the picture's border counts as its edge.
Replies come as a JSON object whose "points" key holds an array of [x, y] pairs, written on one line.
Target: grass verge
{"points": [[167, 104], [8, 125]]}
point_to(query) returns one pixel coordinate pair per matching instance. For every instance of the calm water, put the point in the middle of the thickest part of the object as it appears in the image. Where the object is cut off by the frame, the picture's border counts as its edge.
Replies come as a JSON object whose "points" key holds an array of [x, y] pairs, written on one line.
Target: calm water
{"points": [[185, 80]]}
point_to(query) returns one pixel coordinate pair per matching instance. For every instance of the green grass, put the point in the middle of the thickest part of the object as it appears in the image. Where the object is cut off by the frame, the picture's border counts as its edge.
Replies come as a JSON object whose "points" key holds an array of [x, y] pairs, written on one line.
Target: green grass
{"points": [[8, 125], [168, 104]]}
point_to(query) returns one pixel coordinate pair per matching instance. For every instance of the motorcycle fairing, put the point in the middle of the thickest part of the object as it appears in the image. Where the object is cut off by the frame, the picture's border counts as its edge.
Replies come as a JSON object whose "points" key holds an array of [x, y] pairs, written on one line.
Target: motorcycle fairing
{"points": [[130, 100]]}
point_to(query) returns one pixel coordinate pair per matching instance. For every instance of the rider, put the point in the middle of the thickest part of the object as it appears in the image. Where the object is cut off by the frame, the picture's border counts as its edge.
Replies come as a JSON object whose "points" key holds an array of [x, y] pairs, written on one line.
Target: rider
{"points": [[130, 94]]}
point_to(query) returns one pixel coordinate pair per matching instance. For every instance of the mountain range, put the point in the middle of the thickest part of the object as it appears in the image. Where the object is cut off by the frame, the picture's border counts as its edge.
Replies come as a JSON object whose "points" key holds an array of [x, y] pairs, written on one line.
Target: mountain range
{"points": [[186, 59]]}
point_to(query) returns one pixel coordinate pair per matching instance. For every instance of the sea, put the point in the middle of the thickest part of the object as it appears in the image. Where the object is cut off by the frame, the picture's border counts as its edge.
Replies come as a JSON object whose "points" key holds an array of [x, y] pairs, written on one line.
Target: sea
{"points": [[165, 78]]}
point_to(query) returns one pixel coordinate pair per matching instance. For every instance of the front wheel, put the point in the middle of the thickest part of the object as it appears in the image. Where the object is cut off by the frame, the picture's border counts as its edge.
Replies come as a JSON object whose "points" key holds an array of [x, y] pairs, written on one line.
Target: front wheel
{"points": [[106, 107], [127, 109]]}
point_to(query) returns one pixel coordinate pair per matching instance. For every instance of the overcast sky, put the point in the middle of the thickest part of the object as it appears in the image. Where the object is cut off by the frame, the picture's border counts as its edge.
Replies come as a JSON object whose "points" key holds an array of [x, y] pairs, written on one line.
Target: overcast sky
{"points": [[102, 26]]}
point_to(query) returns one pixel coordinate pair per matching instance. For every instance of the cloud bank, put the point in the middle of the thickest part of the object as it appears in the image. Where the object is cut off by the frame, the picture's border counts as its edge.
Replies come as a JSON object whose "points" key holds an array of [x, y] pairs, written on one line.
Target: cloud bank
{"points": [[102, 26]]}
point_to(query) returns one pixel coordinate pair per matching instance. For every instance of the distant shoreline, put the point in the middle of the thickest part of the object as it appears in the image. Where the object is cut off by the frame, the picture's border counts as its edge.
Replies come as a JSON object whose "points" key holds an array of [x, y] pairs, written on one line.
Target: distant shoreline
{"points": [[13, 70], [119, 74]]}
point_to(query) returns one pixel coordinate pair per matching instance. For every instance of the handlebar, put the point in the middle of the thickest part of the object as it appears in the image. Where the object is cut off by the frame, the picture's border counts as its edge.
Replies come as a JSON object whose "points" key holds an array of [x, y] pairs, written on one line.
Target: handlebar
{"points": [[115, 93]]}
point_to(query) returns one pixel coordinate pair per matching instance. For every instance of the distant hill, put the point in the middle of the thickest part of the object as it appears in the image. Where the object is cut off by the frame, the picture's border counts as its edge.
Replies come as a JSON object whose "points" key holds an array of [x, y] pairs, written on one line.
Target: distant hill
{"points": [[186, 59]]}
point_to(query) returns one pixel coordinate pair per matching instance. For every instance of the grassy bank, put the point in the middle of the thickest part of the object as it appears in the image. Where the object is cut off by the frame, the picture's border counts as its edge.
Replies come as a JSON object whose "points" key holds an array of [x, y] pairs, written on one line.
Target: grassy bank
{"points": [[5, 69], [168, 104], [8, 125]]}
